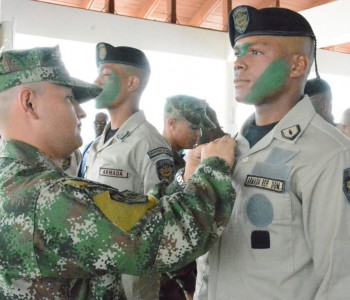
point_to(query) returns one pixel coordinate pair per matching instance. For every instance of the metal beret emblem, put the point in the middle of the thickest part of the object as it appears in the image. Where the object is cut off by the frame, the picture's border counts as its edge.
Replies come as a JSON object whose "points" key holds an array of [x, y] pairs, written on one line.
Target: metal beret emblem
{"points": [[102, 51], [241, 19]]}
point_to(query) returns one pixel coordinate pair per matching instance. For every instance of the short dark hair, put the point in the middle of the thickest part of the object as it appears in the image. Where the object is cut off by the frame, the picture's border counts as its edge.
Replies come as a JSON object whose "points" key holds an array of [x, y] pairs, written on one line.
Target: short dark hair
{"points": [[315, 86]]}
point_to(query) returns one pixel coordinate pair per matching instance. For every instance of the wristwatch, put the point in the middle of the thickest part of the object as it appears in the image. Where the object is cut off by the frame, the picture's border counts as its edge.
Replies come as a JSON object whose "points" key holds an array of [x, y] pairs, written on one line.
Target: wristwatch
{"points": [[179, 177]]}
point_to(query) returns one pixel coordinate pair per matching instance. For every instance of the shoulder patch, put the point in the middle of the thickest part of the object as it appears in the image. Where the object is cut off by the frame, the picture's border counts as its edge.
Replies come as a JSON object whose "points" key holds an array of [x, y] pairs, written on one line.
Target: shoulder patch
{"points": [[159, 151], [346, 183], [124, 214], [165, 169]]}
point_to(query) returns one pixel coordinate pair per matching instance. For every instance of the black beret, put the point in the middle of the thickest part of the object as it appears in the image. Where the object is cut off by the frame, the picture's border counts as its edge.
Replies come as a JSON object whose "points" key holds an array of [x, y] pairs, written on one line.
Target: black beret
{"points": [[248, 21], [316, 86], [106, 53]]}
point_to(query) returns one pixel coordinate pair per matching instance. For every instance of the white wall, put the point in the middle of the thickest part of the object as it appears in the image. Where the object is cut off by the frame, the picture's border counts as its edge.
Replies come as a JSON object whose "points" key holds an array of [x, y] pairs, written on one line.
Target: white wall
{"points": [[158, 40]]}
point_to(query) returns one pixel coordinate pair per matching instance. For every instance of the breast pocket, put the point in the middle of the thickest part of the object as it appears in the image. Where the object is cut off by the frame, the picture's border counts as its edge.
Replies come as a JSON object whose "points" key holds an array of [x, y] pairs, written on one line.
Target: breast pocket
{"points": [[263, 221]]}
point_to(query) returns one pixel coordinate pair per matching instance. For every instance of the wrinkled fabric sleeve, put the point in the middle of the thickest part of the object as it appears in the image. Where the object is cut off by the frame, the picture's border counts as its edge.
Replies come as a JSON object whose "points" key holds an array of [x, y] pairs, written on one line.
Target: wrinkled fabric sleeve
{"points": [[73, 237], [326, 214]]}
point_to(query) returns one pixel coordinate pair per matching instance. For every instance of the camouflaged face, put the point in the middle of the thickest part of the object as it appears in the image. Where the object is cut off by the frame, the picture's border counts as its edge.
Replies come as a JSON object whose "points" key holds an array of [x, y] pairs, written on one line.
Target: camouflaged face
{"points": [[56, 242], [191, 108], [19, 67]]}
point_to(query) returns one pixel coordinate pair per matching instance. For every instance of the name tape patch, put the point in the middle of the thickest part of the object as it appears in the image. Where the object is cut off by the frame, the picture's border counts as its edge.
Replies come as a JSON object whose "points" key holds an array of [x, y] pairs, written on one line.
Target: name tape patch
{"points": [[265, 183], [113, 173]]}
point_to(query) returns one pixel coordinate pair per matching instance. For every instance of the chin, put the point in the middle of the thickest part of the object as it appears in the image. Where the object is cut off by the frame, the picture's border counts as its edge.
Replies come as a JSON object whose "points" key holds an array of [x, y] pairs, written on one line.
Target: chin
{"points": [[79, 142]]}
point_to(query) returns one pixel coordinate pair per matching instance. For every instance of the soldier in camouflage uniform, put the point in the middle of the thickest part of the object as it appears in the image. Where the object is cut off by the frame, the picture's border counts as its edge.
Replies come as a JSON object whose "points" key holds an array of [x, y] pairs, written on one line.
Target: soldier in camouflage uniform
{"points": [[63, 237], [184, 118], [209, 135]]}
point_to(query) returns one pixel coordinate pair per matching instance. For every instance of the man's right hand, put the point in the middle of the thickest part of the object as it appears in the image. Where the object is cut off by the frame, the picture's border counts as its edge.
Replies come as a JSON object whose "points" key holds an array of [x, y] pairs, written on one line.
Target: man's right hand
{"points": [[223, 147]]}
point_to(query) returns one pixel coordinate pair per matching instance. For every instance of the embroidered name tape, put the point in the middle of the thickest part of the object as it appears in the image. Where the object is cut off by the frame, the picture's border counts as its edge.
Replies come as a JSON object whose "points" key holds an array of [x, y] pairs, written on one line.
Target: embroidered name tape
{"points": [[265, 183], [113, 173]]}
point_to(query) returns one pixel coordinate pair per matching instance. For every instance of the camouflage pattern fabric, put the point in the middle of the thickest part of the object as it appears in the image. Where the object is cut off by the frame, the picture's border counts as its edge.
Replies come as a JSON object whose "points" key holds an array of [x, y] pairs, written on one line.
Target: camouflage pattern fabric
{"points": [[190, 108], [63, 237], [39, 64], [179, 161]]}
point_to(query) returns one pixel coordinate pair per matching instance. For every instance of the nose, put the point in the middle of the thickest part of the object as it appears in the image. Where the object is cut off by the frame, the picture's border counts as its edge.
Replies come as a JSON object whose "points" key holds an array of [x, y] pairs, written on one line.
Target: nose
{"points": [[79, 111], [239, 64], [98, 81]]}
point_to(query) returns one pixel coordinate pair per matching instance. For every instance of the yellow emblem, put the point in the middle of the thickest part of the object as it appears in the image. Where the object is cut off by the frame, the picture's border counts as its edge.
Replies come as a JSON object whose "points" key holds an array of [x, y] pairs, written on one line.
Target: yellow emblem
{"points": [[77, 183], [123, 215]]}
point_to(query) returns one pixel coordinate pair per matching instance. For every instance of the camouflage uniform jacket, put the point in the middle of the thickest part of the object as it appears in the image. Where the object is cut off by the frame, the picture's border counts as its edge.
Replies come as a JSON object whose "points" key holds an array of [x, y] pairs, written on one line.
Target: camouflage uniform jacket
{"points": [[179, 161], [63, 237]]}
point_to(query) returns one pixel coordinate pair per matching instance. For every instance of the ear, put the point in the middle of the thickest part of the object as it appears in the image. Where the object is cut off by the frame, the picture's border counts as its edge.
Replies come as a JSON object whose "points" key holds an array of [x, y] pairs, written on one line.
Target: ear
{"points": [[299, 65], [27, 103], [171, 122], [133, 83]]}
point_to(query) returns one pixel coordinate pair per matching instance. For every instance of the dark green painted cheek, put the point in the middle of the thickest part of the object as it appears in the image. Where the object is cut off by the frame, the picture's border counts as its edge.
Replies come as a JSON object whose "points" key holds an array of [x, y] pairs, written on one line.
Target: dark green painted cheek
{"points": [[270, 81], [111, 90]]}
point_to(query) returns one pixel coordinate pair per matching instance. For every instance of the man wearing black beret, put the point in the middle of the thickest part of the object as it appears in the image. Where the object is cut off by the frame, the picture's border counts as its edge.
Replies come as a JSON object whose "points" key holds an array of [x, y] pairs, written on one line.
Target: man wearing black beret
{"points": [[130, 154], [320, 94], [289, 233]]}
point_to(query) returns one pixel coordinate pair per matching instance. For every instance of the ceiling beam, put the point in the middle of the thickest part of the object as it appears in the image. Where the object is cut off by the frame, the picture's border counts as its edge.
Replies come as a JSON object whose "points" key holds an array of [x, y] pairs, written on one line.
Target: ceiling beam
{"points": [[87, 4], [208, 7], [111, 6], [147, 9], [171, 11], [226, 9]]}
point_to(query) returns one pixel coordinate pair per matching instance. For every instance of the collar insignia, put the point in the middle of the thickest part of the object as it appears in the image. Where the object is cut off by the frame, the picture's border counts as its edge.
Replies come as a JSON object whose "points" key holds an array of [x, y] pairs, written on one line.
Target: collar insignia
{"points": [[291, 133]]}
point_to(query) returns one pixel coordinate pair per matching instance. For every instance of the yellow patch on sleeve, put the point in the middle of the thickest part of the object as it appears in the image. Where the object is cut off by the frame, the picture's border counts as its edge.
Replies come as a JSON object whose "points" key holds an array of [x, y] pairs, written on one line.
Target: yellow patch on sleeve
{"points": [[123, 215], [77, 183]]}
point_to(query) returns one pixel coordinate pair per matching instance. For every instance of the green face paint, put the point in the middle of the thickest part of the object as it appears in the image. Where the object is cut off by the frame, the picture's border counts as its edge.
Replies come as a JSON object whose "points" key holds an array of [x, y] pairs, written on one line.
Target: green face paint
{"points": [[269, 82], [111, 90], [242, 49]]}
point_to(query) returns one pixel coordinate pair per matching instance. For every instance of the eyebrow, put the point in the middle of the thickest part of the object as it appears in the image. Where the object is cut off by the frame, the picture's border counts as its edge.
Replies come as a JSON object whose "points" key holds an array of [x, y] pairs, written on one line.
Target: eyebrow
{"points": [[249, 45]]}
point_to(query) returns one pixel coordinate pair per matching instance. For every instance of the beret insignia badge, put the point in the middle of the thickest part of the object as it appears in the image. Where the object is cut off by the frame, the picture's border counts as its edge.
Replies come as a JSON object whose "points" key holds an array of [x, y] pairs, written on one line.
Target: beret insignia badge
{"points": [[102, 51], [241, 19]]}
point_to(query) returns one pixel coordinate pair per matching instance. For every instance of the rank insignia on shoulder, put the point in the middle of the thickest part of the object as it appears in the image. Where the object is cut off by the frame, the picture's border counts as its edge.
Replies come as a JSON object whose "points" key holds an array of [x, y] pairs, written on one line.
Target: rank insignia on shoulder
{"points": [[346, 183], [291, 133], [165, 169]]}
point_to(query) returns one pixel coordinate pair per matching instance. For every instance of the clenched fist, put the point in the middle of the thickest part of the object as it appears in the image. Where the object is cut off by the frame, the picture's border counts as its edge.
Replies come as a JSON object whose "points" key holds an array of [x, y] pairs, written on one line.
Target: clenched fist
{"points": [[223, 147]]}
